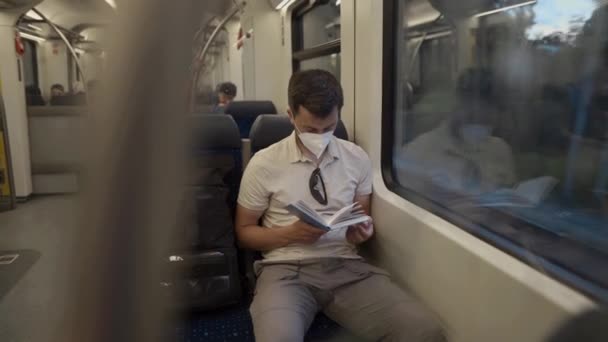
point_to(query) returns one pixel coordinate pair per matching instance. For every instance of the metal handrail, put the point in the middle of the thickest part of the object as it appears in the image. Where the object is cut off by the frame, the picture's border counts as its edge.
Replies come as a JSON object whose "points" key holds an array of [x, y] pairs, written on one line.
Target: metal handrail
{"points": [[70, 48], [197, 63]]}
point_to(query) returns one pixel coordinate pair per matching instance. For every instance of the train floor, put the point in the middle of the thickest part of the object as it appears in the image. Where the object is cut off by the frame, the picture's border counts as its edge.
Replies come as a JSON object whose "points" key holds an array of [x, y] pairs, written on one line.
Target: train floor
{"points": [[33, 295], [233, 324], [33, 291]]}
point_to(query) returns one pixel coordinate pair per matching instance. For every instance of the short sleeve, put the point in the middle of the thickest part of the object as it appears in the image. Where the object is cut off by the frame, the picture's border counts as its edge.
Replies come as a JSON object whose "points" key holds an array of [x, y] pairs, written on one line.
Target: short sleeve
{"points": [[254, 193], [364, 187]]}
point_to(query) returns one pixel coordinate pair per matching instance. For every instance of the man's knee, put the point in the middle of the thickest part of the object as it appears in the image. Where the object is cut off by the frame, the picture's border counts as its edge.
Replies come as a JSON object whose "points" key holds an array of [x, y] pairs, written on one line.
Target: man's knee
{"points": [[279, 325]]}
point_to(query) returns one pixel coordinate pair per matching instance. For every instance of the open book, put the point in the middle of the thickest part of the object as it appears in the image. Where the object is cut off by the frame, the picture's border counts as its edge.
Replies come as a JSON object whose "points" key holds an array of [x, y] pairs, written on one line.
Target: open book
{"points": [[529, 193], [344, 217]]}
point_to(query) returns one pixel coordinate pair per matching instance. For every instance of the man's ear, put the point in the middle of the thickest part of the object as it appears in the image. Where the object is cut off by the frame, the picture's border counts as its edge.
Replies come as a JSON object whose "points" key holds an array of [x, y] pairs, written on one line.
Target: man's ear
{"points": [[291, 116]]}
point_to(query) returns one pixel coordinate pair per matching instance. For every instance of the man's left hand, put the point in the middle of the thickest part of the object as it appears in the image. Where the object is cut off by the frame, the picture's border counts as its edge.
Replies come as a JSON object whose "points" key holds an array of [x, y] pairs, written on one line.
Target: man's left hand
{"points": [[360, 233]]}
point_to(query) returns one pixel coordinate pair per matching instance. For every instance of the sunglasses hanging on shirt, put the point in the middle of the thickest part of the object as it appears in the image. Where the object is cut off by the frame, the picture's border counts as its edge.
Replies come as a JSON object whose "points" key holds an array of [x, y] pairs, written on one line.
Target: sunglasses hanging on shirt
{"points": [[317, 187]]}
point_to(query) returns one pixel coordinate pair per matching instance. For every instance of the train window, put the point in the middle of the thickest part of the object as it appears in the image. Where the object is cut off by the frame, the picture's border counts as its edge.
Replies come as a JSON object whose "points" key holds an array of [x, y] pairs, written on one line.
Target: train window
{"points": [[330, 63], [496, 118], [30, 64], [320, 25], [316, 36]]}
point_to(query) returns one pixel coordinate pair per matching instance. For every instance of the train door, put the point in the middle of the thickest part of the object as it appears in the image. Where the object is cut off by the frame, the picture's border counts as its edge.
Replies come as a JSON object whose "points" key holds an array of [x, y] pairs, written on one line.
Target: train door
{"points": [[7, 193]]}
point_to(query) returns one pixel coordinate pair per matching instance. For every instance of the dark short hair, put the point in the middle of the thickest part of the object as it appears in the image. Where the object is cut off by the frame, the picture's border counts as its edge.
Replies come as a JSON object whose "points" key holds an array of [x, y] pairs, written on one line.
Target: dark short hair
{"points": [[57, 86], [227, 88], [316, 90]]}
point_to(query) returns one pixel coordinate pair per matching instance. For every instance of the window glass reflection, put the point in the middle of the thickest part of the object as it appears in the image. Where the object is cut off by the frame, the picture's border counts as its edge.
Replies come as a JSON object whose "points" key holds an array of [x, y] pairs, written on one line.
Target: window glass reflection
{"points": [[505, 106], [329, 63], [321, 25]]}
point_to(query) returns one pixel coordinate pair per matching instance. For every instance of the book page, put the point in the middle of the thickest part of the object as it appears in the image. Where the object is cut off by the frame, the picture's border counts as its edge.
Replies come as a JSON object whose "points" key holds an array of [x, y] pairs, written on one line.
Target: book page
{"points": [[352, 216], [351, 221], [347, 216], [504, 198], [340, 214], [499, 198], [535, 190], [306, 214], [311, 212]]}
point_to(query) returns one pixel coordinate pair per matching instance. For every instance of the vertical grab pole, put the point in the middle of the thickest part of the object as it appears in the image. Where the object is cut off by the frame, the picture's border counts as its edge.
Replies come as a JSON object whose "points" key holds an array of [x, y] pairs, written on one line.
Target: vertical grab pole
{"points": [[70, 48], [197, 63]]}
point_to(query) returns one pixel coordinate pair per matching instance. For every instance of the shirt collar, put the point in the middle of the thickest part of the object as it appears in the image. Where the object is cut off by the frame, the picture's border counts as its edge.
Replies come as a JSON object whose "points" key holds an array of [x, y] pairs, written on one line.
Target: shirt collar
{"points": [[296, 155]]}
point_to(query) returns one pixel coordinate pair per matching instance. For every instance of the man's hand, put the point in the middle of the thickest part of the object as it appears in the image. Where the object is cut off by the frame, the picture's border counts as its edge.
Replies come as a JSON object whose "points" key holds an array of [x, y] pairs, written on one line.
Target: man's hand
{"points": [[300, 232], [360, 233]]}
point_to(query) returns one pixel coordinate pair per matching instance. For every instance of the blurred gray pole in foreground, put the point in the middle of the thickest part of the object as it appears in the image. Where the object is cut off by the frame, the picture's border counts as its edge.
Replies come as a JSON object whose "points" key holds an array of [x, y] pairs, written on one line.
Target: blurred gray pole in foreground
{"points": [[133, 178]]}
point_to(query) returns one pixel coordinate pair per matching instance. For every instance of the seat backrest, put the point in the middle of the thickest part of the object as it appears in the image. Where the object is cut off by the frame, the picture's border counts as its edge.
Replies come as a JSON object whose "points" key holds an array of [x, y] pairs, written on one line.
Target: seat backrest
{"points": [[246, 112], [340, 131], [213, 132], [213, 181], [69, 100], [270, 129], [33, 96], [215, 148]]}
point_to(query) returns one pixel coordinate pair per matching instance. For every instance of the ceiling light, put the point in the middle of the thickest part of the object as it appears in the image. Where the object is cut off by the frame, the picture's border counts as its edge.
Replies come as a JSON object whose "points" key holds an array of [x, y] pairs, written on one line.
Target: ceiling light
{"points": [[33, 15], [285, 4], [32, 37], [498, 10], [34, 27], [112, 3], [338, 2]]}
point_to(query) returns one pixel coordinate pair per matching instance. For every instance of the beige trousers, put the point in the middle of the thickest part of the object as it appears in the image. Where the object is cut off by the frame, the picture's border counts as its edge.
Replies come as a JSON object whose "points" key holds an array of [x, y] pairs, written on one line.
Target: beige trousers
{"points": [[358, 296]]}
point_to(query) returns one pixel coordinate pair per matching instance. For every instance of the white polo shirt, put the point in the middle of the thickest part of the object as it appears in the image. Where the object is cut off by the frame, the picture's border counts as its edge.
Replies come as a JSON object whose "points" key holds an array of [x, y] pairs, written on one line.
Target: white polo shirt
{"points": [[279, 175]]}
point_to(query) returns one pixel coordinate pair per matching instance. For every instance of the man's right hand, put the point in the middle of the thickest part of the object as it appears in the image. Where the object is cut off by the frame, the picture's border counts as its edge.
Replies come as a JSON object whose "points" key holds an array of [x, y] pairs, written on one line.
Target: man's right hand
{"points": [[300, 232]]}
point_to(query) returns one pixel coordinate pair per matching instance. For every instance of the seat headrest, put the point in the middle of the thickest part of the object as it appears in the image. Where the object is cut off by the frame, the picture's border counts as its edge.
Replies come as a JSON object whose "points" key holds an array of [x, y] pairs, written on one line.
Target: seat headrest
{"points": [[250, 108], [340, 131], [270, 129], [214, 131]]}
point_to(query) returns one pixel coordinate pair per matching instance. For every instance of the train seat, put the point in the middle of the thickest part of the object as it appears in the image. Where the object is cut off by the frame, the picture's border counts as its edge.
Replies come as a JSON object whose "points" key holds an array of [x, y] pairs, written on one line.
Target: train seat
{"points": [[207, 259], [69, 100], [33, 96], [246, 112], [56, 155], [269, 129]]}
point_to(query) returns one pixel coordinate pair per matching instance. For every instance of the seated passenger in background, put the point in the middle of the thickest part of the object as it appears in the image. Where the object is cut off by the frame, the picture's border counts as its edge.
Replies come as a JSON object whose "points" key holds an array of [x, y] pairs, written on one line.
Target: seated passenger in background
{"points": [[460, 156], [57, 93], [226, 92], [57, 90], [306, 270]]}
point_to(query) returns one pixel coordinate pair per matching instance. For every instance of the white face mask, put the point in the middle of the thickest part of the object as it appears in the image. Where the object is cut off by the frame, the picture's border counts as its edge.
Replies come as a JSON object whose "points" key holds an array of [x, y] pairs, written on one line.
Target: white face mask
{"points": [[315, 143], [475, 134]]}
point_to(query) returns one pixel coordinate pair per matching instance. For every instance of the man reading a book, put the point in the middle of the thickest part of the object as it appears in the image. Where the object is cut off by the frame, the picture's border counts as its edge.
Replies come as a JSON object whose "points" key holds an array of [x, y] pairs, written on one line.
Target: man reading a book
{"points": [[306, 269]]}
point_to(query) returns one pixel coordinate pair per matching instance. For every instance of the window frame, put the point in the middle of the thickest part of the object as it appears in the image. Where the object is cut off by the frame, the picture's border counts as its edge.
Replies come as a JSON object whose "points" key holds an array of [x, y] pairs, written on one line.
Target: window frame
{"points": [[298, 52], [34, 46], [560, 269]]}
